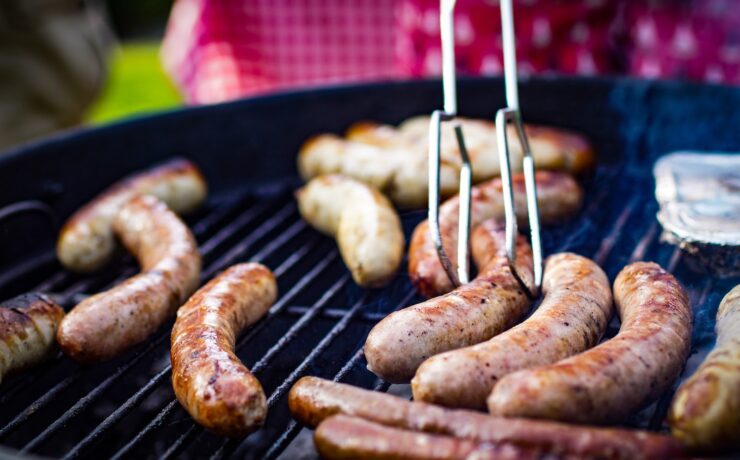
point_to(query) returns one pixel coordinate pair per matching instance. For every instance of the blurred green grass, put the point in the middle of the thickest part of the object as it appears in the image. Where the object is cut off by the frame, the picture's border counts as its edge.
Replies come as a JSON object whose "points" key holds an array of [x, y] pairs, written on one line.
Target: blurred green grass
{"points": [[136, 84]]}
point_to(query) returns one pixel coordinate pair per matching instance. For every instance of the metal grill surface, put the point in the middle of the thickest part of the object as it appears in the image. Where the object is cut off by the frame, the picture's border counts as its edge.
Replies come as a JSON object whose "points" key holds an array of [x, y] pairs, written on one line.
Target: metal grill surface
{"points": [[126, 408]]}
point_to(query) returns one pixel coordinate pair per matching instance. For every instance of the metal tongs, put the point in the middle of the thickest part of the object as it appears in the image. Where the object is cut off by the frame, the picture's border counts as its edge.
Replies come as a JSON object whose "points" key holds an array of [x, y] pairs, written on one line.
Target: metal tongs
{"points": [[511, 114]]}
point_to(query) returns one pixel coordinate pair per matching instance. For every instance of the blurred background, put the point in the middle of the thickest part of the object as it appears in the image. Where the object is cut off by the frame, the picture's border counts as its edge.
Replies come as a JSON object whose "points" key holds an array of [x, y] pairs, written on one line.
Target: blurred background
{"points": [[70, 63]]}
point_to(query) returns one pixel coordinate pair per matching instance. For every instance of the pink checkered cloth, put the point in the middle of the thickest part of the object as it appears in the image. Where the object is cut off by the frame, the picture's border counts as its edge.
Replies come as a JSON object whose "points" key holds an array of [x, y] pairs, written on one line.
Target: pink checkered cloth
{"points": [[218, 50]]}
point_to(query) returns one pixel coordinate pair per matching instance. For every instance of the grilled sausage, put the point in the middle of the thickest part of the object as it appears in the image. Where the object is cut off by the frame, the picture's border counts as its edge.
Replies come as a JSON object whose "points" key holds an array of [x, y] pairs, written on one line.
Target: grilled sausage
{"points": [[28, 324], [705, 413], [558, 195], [210, 381], [364, 223], [573, 316], [394, 171], [552, 148], [470, 314], [106, 324], [619, 376], [86, 242], [343, 437], [312, 400]]}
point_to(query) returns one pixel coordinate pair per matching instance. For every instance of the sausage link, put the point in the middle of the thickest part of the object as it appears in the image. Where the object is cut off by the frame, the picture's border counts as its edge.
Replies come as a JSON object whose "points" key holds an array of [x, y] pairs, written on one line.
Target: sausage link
{"points": [[28, 324], [705, 413], [393, 171], [341, 437], [210, 381], [106, 324], [312, 400], [620, 376], [558, 196], [573, 316], [364, 223], [470, 314], [86, 242]]}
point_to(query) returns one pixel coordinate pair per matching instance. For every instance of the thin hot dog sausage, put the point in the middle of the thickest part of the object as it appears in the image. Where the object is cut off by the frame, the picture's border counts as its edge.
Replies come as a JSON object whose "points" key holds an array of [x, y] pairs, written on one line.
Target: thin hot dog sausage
{"points": [[705, 412], [558, 195], [86, 242], [106, 324], [364, 223], [209, 380], [572, 317], [312, 400], [619, 376], [470, 314], [28, 324], [342, 437]]}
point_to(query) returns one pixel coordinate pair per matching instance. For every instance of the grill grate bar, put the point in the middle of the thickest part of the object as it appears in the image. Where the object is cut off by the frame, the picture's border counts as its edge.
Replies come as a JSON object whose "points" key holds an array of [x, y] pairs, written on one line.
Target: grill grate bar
{"points": [[607, 244], [291, 333], [246, 243], [644, 243], [38, 404], [156, 422], [284, 237], [237, 224], [90, 397], [25, 268], [119, 413], [336, 313]]}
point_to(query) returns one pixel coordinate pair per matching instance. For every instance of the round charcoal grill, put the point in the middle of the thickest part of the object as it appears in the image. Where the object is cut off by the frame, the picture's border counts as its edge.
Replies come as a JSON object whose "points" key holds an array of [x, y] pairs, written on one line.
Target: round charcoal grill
{"points": [[126, 408]]}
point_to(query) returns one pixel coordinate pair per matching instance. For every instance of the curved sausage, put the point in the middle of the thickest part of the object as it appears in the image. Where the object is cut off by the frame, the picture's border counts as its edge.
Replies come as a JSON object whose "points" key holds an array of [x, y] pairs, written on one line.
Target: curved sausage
{"points": [[572, 317], [86, 242], [28, 324], [312, 400], [343, 437], [705, 413], [619, 376], [470, 314], [106, 324], [364, 223], [558, 195], [399, 174], [210, 381]]}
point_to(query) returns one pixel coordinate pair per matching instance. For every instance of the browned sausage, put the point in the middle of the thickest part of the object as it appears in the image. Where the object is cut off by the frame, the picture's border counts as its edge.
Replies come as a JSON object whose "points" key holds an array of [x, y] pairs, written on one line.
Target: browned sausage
{"points": [[573, 316], [558, 195], [341, 437], [108, 323], [209, 380], [620, 376], [470, 314], [312, 400], [705, 412], [28, 324], [86, 242]]}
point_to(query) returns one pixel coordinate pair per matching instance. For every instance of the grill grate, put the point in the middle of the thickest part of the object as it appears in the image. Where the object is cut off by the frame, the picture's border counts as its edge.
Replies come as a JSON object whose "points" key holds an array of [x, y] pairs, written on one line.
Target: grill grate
{"points": [[126, 407]]}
